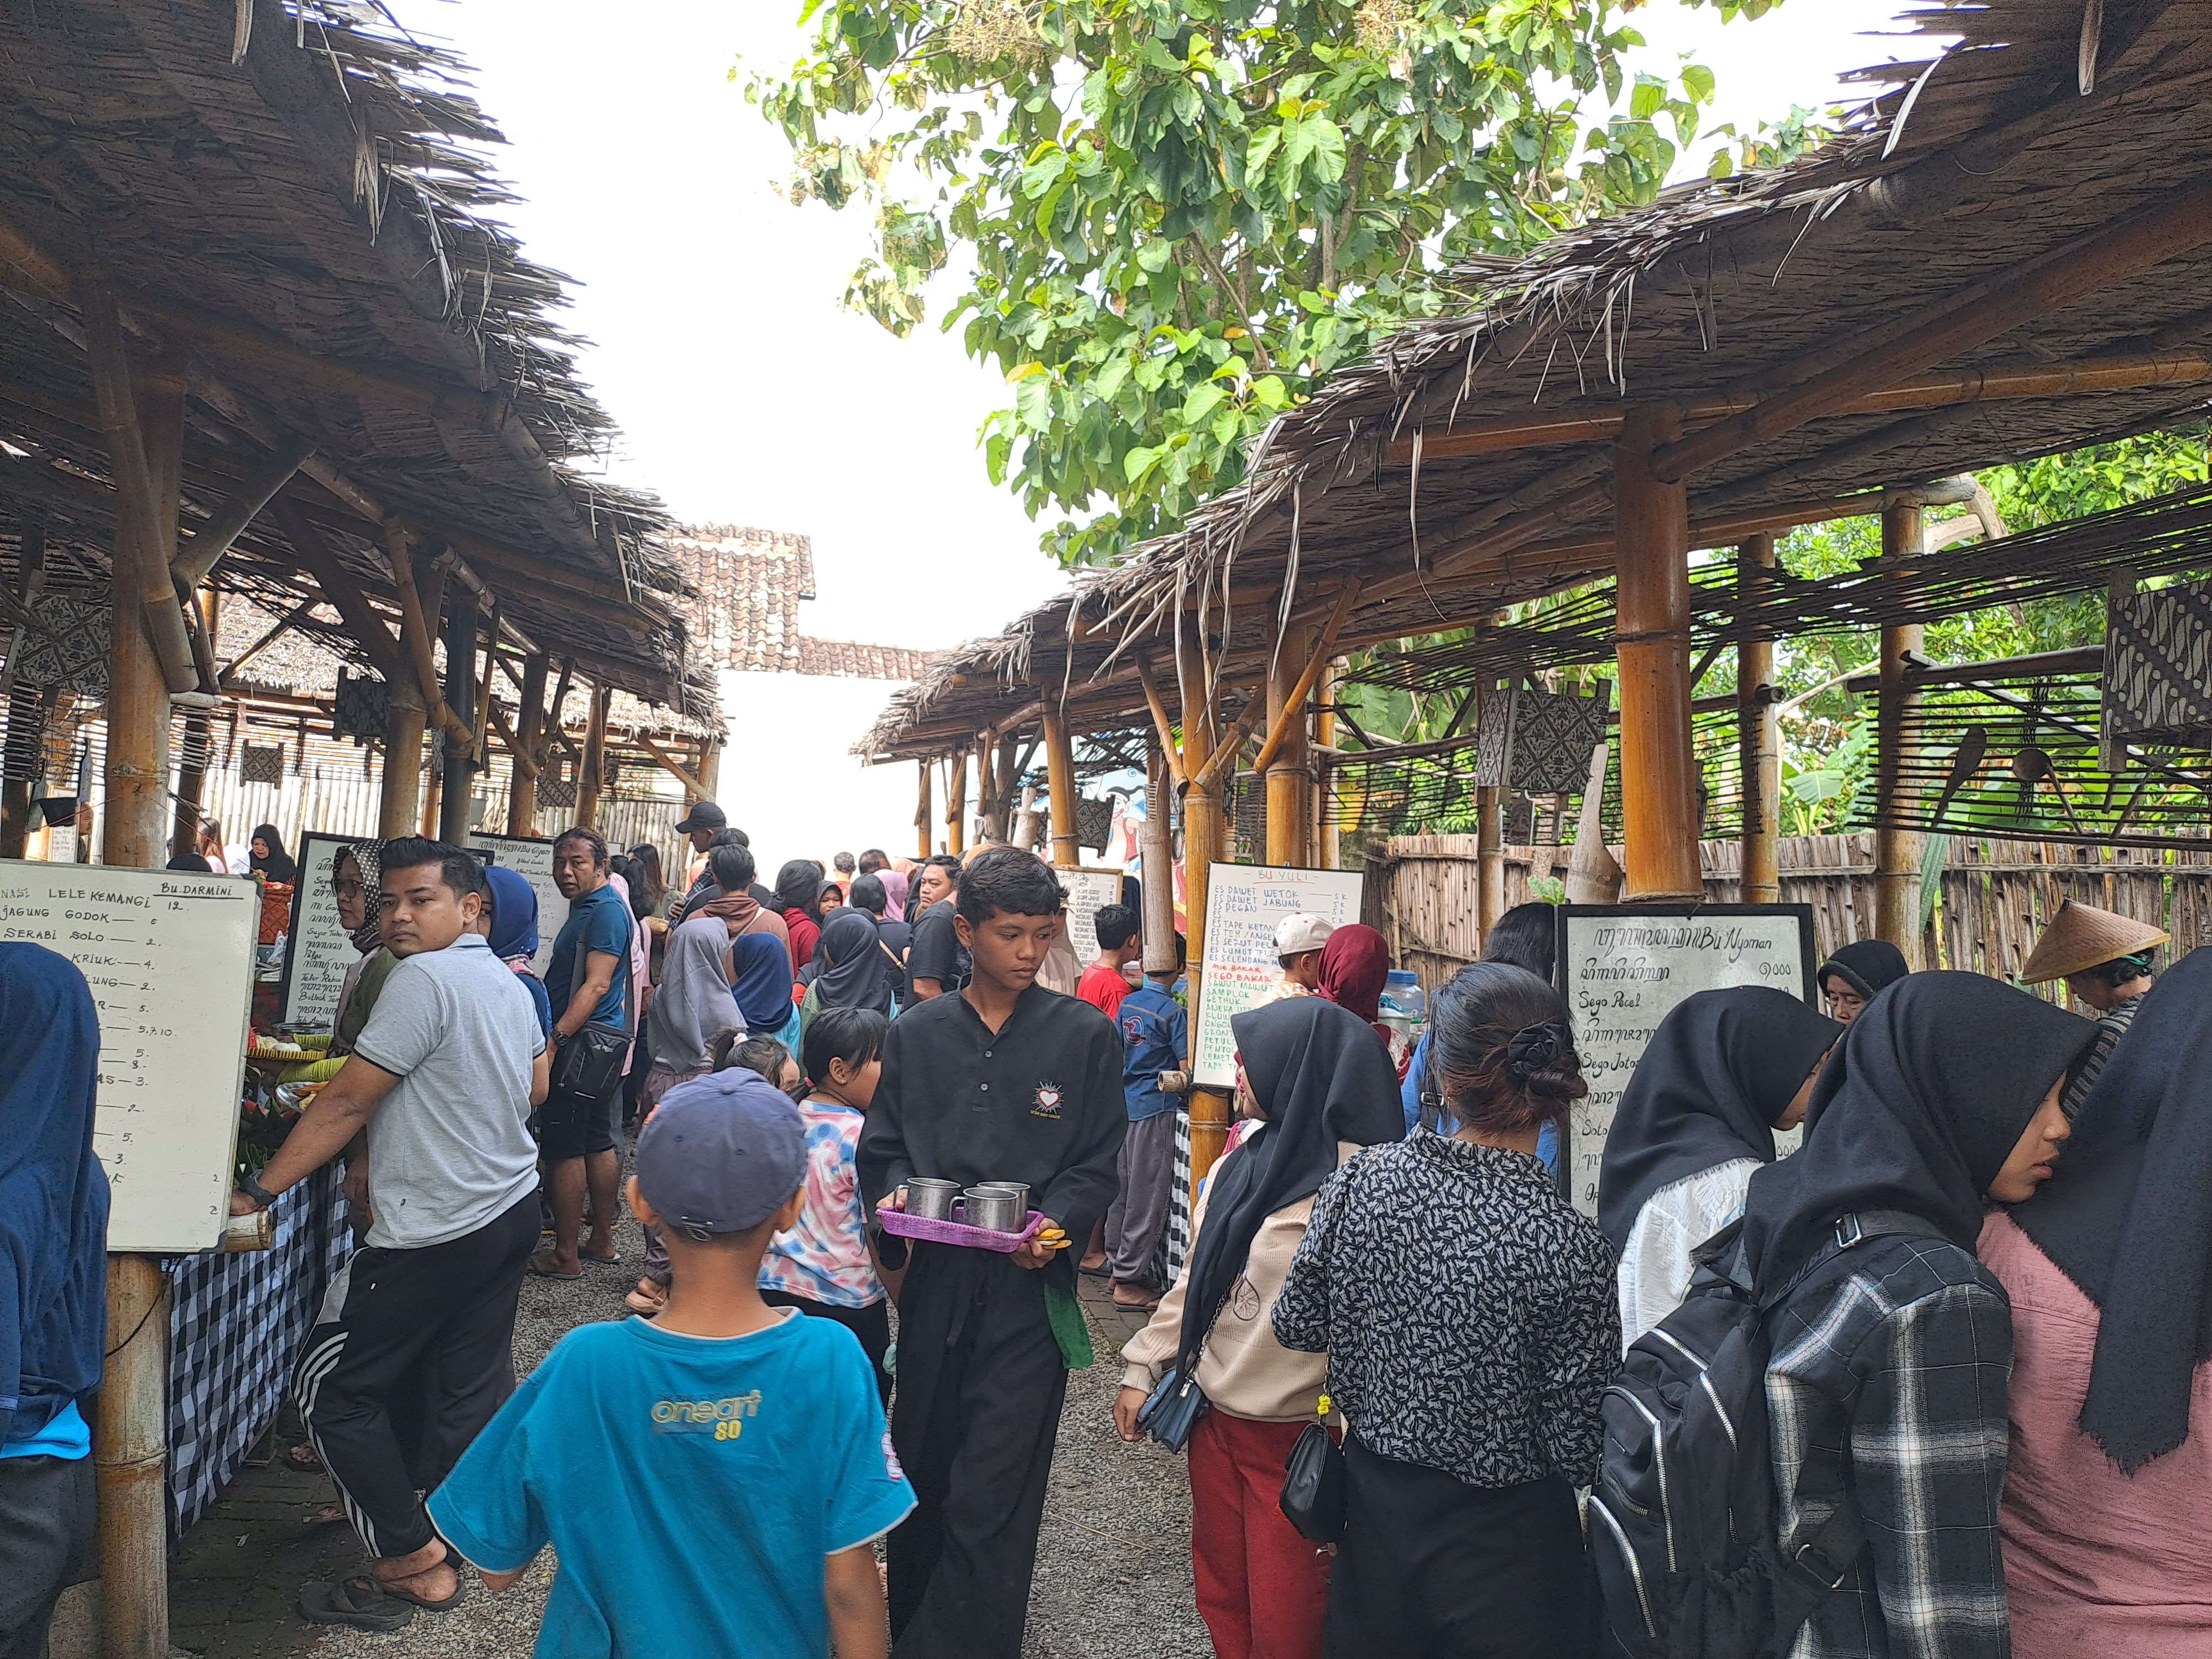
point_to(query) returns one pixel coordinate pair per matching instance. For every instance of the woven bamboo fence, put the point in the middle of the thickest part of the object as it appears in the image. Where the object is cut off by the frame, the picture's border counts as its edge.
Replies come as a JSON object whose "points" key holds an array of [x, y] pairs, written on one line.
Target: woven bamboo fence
{"points": [[1991, 900]]}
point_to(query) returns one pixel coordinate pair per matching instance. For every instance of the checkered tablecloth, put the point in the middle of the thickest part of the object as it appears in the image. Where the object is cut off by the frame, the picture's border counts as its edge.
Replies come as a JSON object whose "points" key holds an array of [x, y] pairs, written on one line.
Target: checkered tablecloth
{"points": [[235, 1326]]}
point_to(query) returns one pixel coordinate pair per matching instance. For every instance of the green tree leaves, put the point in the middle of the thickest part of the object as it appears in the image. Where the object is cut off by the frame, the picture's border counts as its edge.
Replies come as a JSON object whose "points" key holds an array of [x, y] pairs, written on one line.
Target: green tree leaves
{"points": [[1183, 217]]}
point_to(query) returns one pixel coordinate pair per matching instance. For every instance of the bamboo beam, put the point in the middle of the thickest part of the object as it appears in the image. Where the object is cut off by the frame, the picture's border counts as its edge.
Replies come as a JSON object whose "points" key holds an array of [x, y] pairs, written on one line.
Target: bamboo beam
{"points": [[460, 635], [320, 561], [416, 632], [1758, 735], [1317, 658], [1162, 727], [211, 540], [1060, 774], [142, 563], [283, 625], [591, 771], [1658, 762], [2110, 372], [1233, 742], [674, 768], [2073, 271], [1896, 852]]}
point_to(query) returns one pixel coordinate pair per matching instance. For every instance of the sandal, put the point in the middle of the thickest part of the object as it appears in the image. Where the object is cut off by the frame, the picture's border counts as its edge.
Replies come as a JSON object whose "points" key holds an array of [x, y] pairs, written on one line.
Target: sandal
{"points": [[358, 1603], [331, 1515], [537, 1271], [304, 1458], [612, 1258], [460, 1589]]}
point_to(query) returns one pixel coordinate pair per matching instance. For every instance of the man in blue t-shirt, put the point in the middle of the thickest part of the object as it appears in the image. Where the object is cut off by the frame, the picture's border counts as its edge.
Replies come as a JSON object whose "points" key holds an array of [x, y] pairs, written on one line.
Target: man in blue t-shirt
{"points": [[1155, 1039], [712, 1481], [588, 983]]}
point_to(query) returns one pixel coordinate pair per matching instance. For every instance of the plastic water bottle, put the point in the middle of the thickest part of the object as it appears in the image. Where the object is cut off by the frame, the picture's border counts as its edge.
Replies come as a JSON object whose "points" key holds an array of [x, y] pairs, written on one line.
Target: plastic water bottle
{"points": [[1405, 1005]]}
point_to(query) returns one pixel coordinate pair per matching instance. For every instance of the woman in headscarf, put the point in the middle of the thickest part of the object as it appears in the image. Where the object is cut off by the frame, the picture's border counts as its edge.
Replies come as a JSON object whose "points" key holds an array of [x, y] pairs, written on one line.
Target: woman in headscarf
{"points": [[852, 968], [267, 858], [760, 979], [693, 1006], [1889, 1356], [513, 918], [1355, 966], [1471, 1325], [53, 1285], [1724, 1072], [1858, 974], [1323, 1091], [2107, 1511], [799, 900], [356, 884]]}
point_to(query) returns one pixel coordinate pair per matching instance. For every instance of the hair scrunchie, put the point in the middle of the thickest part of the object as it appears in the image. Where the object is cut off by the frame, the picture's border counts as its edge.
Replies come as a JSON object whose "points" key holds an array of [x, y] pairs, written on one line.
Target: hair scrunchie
{"points": [[1533, 1047]]}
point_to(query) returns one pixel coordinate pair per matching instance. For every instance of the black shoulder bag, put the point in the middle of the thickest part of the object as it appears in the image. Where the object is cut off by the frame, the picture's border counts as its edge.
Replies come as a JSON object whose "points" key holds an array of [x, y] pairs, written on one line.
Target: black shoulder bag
{"points": [[589, 1062]]}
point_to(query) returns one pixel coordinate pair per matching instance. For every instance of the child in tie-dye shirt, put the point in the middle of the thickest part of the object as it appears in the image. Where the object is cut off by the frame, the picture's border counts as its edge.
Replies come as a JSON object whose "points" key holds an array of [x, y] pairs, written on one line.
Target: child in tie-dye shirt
{"points": [[822, 1265]]}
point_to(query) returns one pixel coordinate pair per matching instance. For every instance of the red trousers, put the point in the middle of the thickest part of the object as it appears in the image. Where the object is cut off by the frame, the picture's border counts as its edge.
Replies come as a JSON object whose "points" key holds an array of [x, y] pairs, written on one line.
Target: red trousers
{"points": [[1263, 1590]]}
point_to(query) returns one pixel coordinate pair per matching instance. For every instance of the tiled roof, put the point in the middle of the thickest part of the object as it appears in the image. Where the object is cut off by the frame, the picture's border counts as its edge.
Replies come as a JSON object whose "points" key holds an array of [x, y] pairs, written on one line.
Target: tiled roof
{"points": [[745, 614], [849, 659]]}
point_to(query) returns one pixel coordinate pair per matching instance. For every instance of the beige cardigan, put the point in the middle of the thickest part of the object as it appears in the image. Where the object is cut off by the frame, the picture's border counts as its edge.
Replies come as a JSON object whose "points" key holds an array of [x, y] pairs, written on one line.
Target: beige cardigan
{"points": [[1243, 1370]]}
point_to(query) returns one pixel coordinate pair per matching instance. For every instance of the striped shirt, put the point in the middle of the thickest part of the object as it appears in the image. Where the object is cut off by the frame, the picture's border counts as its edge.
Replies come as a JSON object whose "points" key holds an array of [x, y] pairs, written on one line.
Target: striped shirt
{"points": [[1897, 1361], [2111, 1028]]}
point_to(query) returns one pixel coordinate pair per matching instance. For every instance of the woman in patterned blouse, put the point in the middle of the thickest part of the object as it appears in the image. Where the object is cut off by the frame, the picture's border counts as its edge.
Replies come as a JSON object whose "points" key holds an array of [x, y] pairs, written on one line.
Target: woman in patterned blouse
{"points": [[1471, 1325]]}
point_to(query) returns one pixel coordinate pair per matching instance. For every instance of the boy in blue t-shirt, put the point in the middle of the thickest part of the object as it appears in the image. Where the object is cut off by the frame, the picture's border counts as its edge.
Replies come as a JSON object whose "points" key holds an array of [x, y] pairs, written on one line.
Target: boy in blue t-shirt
{"points": [[711, 1480]]}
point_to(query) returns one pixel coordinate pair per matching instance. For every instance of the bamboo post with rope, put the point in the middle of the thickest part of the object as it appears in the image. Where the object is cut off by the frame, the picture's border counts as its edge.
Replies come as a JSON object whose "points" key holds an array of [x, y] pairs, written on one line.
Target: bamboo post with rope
{"points": [[592, 774], [1060, 776], [1759, 726], [1658, 760], [925, 804], [1896, 851]]}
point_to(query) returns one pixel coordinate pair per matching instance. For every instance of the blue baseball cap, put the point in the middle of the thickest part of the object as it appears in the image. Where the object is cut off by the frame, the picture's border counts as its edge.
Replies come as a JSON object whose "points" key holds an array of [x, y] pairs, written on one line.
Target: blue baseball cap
{"points": [[720, 1154]]}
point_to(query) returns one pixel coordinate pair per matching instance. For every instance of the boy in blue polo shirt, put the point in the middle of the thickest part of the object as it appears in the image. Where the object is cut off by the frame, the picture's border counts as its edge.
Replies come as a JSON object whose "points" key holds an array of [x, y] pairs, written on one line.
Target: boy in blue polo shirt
{"points": [[711, 1480]]}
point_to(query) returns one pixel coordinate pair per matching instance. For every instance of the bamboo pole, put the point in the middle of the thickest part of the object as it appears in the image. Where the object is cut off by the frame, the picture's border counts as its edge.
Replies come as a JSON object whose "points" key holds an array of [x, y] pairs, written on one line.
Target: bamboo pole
{"points": [[710, 765], [924, 807], [400, 808], [1060, 778], [1290, 768], [989, 826], [1759, 727], [527, 746], [956, 803], [416, 629], [1896, 851], [1156, 861], [214, 538], [674, 768], [591, 773], [137, 768], [130, 1446], [1658, 763], [1326, 843], [460, 631], [1162, 727], [1201, 846], [191, 762]]}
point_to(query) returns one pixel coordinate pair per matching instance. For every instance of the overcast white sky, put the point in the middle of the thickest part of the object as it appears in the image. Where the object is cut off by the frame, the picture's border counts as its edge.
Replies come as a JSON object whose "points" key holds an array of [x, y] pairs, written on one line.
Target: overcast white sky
{"points": [[748, 395]]}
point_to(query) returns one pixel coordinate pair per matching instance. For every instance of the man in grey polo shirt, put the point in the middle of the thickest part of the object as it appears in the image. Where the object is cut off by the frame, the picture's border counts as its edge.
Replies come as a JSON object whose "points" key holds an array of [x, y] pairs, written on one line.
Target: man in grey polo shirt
{"points": [[413, 1350]]}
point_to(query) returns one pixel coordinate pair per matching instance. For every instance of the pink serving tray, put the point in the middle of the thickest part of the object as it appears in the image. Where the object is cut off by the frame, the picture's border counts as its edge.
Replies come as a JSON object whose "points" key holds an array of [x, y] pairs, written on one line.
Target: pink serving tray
{"points": [[959, 1232]]}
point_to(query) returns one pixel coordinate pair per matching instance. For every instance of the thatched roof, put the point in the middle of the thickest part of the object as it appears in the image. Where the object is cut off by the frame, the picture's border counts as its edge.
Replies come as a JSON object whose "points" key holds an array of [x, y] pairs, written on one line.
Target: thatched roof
{"points": [[296, 196], [1966, 181]]}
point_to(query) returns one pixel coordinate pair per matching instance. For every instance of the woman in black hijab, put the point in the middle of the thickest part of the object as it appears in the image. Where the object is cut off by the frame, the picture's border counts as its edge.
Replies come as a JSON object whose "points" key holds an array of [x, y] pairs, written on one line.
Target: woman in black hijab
{"points": [[1725, 1070], [1859, 973], [1889, 1358], [2107, 1513], [851, 968], [267, 858], [1324, 1089]]}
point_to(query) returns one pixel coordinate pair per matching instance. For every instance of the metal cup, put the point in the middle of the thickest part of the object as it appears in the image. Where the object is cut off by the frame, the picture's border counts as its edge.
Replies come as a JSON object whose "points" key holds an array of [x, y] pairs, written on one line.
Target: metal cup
{"points": [[930, 1199], [1014, 1190], [996, 1212]]}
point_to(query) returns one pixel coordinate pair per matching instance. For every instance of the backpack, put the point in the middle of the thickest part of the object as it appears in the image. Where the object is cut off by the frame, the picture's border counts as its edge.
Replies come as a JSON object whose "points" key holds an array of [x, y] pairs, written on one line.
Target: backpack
{"points": [[1684, 1528]]}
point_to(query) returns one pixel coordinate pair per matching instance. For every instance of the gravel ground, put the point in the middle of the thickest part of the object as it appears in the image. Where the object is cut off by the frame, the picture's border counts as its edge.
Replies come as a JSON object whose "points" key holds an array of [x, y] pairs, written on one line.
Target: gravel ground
{"points": [[1113, 1576]]}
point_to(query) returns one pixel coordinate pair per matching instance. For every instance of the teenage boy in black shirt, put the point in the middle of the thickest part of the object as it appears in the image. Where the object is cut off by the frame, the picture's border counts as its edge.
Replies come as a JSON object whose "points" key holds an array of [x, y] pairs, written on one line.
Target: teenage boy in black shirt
{"points": [[937, 960], [1003, 1081]]}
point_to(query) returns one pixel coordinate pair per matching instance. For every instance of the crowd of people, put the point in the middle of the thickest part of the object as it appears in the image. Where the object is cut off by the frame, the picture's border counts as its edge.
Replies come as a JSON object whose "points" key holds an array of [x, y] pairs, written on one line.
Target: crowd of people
{"points": [[1982, 1284]]}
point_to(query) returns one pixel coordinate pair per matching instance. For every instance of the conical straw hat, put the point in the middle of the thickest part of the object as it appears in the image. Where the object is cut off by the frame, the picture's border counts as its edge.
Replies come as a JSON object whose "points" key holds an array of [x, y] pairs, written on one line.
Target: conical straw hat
{"points": [[2082, 936]]}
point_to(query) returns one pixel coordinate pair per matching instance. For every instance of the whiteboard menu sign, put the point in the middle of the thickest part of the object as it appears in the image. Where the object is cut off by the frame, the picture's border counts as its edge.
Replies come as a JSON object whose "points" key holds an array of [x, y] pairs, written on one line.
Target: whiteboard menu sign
{"points": [[1089, 892], [318, 950], [1624, 967], [532, 859], [169, 957], [1244, 904]]}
